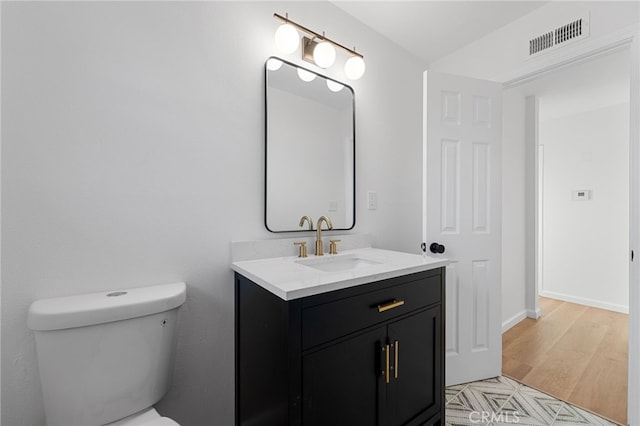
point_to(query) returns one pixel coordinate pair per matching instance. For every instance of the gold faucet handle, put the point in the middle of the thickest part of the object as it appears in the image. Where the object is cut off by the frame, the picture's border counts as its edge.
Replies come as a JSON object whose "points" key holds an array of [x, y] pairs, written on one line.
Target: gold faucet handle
{"points": [[303, 248], [333, 246]]}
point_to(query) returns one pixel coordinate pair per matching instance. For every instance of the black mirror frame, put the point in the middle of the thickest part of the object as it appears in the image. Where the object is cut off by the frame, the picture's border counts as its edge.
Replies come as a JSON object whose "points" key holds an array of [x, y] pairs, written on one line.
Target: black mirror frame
{"points": [[266, 144]]}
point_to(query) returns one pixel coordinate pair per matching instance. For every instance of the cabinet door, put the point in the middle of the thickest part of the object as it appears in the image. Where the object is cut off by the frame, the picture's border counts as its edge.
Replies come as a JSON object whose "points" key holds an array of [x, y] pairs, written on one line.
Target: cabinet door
{"points": [[415, 390], [342, 383]]}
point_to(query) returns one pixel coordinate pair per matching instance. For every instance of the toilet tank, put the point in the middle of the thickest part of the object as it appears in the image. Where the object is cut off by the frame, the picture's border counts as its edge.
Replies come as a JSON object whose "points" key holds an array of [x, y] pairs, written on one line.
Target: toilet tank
{"points": [[104, 356]]}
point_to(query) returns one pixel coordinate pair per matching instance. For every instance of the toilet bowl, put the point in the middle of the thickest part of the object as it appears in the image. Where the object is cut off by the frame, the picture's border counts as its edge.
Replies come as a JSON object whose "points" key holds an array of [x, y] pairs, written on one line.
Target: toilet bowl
{"points": [[106, 358]]}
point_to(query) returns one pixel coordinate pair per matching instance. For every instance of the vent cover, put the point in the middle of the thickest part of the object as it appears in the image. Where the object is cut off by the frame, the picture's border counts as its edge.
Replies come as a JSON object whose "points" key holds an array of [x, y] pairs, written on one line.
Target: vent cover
{"points": [[540, 43], [569, 31], [572, 31]]}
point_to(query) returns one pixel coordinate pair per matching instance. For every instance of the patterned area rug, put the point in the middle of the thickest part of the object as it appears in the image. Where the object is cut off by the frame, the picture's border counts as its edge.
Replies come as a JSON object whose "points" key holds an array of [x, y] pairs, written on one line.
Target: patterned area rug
{"points": [[502, 401]]}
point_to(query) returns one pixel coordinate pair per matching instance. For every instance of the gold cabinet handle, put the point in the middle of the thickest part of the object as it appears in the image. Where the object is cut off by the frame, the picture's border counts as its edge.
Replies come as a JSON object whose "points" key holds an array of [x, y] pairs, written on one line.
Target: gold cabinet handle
{"points": [[386, 364], [396, 344], [390, 305]]}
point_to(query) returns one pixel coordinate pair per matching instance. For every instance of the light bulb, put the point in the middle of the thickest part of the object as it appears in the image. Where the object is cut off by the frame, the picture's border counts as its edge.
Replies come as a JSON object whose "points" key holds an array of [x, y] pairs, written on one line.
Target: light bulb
{"points": [[287, 40], [354, 67], [305, 75], [274, 64], [334, 86], [324, 54]]}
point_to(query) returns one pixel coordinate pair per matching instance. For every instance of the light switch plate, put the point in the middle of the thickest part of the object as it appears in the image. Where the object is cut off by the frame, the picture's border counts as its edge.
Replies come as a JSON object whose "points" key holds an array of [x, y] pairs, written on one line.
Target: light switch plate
{"points": [[372, 200]]}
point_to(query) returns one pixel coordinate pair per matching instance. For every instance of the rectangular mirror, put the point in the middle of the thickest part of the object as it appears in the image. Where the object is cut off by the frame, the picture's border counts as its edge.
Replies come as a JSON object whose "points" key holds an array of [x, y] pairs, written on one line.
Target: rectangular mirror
{"points": [[310, 148]]}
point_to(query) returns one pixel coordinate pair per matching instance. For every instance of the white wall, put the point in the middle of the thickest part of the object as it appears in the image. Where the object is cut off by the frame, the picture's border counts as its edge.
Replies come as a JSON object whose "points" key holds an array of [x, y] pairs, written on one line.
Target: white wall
{"points": [[586, 243], [132, 154], [513, 207]]}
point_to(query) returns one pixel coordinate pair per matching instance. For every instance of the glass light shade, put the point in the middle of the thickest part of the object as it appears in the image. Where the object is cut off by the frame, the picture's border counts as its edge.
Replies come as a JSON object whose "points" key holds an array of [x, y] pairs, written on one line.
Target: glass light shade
{"points": [[324, 54], [274, 64], [305, 75], [354, 67], [334, 86], [287, 39]]}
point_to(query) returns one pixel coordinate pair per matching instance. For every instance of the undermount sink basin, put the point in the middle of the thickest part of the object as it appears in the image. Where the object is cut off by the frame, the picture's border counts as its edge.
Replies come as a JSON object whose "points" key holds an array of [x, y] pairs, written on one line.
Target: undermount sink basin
{"points": [[337, 263]]}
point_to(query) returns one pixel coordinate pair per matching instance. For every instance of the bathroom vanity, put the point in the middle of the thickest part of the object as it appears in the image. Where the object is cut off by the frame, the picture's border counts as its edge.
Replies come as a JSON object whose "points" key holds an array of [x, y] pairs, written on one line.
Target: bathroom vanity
{"points": [[350, 339]]}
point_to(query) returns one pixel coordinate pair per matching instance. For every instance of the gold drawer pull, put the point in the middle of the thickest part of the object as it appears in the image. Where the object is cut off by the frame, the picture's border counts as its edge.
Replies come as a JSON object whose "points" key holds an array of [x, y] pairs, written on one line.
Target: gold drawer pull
{"points": [[397, 348], [386, 363], [390, 305]]}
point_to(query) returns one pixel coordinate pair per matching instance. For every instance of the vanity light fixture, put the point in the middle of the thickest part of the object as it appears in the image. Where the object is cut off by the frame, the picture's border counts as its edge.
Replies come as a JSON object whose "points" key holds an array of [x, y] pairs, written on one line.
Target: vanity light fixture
{"points": [[286, 38], [324, 54], [317, 49], [354, 67]]}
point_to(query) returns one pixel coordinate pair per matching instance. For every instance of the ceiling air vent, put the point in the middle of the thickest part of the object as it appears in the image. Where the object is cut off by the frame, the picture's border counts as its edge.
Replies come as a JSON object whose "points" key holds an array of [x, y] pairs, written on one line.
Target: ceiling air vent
{"points": [[540, 43], [569, 31], [559, 36]]}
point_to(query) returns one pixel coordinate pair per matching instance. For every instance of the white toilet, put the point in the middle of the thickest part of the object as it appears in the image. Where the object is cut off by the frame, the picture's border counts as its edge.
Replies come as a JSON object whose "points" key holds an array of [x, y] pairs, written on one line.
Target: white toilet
{"points": [[106, 358]]}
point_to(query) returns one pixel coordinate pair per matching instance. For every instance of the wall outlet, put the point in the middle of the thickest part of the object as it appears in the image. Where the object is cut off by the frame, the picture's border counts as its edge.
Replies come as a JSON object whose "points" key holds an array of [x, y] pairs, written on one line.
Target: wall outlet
{"points": [[372, 200]]}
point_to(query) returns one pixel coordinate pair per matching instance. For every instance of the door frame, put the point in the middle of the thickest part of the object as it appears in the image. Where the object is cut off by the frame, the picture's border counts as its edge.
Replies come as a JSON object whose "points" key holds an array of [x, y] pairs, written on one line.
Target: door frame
{"points": [[627, 39], [633, 410]]}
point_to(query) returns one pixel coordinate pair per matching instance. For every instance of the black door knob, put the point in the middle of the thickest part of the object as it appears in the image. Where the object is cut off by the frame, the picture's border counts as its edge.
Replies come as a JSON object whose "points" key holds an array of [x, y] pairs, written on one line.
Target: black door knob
{"points": [[436, 248]]}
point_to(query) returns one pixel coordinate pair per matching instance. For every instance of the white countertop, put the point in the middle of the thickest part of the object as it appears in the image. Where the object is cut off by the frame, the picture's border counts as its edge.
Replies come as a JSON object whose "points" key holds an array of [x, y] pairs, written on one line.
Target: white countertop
{"points": [[288, 279]]}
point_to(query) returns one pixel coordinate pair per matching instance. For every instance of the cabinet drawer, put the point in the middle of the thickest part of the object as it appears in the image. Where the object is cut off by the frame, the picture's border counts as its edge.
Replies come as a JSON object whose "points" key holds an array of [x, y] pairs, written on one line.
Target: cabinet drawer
{"points": [[325, 322]]}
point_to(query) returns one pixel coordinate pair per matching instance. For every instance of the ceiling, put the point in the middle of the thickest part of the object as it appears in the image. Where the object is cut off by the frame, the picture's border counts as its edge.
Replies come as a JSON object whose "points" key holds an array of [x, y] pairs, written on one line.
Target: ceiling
{"points": [[432, 29]]}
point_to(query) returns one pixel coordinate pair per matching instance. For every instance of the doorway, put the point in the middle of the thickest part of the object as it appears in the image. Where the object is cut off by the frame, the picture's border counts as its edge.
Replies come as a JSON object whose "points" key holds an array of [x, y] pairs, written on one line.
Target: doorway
{"points": [[582, 226], [583, 183]]}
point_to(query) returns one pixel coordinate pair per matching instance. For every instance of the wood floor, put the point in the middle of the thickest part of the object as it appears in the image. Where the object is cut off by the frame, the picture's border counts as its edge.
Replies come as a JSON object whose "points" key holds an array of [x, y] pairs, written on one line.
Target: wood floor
{"points": [[573, 352]]}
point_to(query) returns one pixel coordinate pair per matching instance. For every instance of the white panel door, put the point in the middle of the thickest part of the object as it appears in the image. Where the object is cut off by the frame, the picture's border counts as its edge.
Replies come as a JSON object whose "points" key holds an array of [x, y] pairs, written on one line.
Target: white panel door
{"points": [[463, 210]]}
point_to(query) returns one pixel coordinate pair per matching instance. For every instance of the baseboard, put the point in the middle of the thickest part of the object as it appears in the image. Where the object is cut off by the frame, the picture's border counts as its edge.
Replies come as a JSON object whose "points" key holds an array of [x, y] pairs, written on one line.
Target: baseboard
{"points": [[535, 314], [585, 301], [506, 325]]}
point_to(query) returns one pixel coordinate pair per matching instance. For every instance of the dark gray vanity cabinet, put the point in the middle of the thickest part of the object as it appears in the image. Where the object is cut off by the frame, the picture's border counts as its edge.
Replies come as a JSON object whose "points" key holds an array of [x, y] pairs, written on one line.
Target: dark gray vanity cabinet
{"points": [[366, 355]]}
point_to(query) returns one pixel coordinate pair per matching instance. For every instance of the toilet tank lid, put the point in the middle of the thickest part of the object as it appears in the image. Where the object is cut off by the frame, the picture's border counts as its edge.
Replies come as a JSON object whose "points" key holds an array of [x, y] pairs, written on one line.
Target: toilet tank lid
{"points": [[98, 308]]}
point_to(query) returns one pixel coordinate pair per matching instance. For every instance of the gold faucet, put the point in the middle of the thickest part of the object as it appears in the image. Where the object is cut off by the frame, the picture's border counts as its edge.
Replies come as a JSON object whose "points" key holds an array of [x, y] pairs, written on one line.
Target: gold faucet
{"points": [[319, 249], [308, 219]]}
